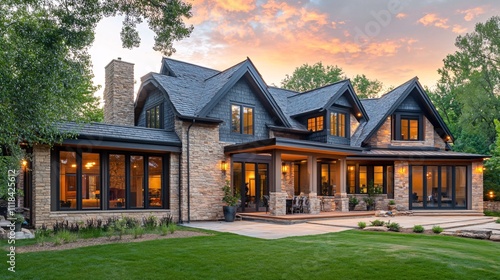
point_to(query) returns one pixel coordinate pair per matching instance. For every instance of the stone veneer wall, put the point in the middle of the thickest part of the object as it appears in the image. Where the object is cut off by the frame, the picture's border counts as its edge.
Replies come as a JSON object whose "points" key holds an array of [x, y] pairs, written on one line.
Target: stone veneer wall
{"points": [[383, 137], [492, 206], [477, 186], [206, 153], [119, 93], [401, 184], [41, 205]]}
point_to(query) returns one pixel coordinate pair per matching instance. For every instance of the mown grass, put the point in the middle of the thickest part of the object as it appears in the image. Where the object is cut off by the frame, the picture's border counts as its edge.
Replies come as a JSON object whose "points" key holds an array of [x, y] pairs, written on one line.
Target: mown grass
{"points": [[344, 255]]}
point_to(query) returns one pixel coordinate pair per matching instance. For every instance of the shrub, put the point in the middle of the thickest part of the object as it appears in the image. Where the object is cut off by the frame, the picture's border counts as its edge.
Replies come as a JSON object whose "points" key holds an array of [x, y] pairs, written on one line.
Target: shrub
{"points": [[131, 222], [361, 225], [392, 202], [377, 223], [172, 228], [119, 226], [492, 213], [65, 236], [166, 220], [418, 228], [393, 226], [437, 229], [163, 230], [137, 231], [498, 221], [150, 222]]}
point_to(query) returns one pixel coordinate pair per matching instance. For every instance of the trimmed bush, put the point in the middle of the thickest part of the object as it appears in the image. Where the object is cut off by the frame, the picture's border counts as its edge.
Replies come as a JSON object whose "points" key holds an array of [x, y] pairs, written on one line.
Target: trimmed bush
{"points": [[418, 228], [393, 226], [498, 221], [437, 229], [377, 223], [361, 225]]}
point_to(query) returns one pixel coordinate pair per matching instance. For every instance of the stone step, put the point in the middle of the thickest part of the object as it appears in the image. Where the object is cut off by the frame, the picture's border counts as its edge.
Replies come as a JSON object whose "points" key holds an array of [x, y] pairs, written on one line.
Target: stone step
{"points": [[447, 213]]}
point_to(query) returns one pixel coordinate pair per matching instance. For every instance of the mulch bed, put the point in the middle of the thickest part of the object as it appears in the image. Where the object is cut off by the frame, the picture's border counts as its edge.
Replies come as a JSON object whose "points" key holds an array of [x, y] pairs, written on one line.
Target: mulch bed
{"points": [[49, 246]]}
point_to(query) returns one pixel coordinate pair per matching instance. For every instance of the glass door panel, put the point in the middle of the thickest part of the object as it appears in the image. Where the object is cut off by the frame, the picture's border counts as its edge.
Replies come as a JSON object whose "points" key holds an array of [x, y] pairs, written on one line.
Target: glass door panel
{"points": [[250, 186], [460, 186], [432, 186], [446, 186], [262, 187], [417, 187]]}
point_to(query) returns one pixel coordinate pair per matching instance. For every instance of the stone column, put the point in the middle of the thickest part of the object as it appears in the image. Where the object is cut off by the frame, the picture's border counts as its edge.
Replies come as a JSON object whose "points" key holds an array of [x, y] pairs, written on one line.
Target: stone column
{"points": [[476, 201], [277, 197], [312, 173], [401, 184], [341, 199]]}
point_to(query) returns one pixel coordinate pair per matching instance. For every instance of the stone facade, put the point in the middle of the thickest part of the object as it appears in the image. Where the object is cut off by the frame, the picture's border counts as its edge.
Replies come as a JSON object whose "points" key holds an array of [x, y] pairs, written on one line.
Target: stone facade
{"points": [[383, 137], [277, 203], [401, 184], [492, 206], [477, 186], [119, 93]]}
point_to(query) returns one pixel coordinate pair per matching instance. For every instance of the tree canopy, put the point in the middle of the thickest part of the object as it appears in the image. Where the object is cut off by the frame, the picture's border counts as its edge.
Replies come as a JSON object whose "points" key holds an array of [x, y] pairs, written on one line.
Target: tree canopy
{"points": [[308, 77], [45, 68]]}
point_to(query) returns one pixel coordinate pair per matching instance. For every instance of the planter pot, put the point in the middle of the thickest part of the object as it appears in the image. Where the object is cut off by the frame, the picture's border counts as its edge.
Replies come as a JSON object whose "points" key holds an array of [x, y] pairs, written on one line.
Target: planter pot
{"points": [[229, 213], [392, 207], [351, 207], [369, 207], [18, 227]]}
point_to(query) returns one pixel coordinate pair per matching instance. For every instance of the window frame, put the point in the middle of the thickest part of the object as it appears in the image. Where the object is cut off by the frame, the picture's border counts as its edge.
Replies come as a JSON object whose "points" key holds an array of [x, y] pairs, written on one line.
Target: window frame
{"points": [[104, 178], [370, 176], [398, 117], [316, 123], [158, 121], [336, 129], [242, 129]]}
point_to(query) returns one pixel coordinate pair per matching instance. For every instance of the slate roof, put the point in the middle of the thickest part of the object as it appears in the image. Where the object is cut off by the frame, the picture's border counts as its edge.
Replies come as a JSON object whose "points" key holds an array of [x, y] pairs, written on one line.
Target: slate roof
{"points": [[281, 96], [378, 110], [131, 134], [314, 99]]}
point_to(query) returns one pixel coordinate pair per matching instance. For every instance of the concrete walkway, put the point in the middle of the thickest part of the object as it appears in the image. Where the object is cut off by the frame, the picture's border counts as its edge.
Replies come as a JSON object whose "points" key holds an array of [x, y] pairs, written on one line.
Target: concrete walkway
{"points": [[274, 231]]}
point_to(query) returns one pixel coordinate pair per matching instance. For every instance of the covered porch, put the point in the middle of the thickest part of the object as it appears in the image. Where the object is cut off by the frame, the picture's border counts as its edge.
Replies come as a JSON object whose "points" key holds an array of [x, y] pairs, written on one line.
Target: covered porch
{"points": [[287, 168]]}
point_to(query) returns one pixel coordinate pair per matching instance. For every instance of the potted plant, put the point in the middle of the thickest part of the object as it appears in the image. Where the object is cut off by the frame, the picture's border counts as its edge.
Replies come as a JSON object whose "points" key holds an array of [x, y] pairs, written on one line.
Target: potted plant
{"points": [[231, 201], [370, 203], [18, 220], [353, 201], [370, 199], [392, 205]]}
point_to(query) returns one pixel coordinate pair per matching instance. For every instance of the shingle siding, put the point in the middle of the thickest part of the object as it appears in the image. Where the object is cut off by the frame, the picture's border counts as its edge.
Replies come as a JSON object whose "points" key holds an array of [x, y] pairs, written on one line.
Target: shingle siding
{"points": [[153, 99], [242, 94]]}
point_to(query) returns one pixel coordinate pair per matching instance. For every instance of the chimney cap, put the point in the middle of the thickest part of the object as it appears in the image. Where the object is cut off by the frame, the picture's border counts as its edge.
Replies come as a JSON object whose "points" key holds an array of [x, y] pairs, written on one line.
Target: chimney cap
{"points": [[119, 58]]}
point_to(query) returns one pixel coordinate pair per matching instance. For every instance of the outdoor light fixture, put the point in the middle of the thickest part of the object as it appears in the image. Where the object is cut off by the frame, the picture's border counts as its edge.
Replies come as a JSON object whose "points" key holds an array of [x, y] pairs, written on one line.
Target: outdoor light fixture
{"points": [[24, 163], [402, 170], [223, 166], [284, 168], [491, 194]]}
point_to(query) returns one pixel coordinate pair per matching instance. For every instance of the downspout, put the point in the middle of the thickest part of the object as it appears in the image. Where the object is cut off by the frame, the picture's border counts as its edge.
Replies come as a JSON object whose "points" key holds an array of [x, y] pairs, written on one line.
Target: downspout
{"points": [[180, 187], [188, 174]]}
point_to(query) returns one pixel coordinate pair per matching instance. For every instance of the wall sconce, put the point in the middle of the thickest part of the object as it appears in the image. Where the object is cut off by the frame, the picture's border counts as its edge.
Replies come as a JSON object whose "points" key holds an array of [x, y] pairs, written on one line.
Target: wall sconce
{"points": [[491, 195], [223, 166], [402, 170], [24, 163], [284, 168]]}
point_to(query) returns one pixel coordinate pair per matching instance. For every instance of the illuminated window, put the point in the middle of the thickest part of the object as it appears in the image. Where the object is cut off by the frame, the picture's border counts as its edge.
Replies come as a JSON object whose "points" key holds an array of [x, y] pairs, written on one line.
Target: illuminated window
{"points": [[408, 127], [153, 117], [315, 124], [338, 124]]}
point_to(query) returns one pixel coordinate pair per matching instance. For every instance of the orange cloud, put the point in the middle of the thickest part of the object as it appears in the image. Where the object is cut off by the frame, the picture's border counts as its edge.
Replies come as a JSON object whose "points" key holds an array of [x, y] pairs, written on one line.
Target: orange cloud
{"points": [[236, 5], [434, 20], [387, 48], [470, 14], [457, 28], [401, 15]]}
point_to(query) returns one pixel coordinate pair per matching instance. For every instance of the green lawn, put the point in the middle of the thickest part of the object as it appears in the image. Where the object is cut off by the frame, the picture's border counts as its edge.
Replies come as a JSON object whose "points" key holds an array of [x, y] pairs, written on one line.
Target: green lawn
{"points": [[345, 255]]}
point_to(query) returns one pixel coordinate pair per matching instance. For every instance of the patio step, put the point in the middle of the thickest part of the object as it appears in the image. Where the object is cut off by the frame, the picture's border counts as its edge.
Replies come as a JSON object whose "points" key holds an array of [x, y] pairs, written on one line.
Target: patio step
{"points": [[303, 218], [447, 213]]}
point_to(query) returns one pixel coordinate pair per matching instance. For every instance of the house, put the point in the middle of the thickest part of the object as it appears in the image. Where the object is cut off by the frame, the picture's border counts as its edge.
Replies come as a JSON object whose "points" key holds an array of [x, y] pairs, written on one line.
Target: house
{"points": [[192, 128]]}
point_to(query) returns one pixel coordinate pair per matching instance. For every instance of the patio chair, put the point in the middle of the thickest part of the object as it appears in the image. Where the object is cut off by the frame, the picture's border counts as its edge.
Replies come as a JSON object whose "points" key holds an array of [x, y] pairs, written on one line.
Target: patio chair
{"points": [[296, 205], [265, 201], [304, 205]]}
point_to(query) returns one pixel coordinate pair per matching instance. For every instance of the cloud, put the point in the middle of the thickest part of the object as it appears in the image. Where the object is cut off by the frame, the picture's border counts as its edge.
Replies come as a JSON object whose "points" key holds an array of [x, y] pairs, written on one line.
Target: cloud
{"points": [[401, 15], [457, 28], [434, 20], [470, 14], [237, 5]]}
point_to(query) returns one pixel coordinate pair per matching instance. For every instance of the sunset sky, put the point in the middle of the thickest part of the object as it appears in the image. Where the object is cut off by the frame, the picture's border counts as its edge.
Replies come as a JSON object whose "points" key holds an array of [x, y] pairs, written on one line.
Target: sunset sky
{"points": [[388, 40]]}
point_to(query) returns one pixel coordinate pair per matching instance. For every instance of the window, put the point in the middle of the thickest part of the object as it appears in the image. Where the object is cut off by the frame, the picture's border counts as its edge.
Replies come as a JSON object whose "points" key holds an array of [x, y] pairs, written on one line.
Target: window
{"points": [[338, 124], [122, 184], [408, 127], [327, 179], [315, 124], [153, 117], [434, 186], [242, 119], [359, 177]]}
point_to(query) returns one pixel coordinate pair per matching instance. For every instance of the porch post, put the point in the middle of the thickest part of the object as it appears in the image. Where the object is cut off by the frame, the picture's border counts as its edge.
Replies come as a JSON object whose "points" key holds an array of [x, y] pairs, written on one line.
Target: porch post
{"points": [[277, 197], [343, 200], [312, 171]]}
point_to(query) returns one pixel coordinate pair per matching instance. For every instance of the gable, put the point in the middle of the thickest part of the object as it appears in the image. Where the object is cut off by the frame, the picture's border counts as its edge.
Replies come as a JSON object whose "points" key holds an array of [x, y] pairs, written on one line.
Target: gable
{"points": [[242, 93], [342, 101]]}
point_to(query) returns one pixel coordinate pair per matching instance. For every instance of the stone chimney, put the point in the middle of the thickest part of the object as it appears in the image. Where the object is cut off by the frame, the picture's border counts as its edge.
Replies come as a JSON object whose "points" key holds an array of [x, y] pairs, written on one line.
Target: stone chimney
{"points": [[119, 93]]}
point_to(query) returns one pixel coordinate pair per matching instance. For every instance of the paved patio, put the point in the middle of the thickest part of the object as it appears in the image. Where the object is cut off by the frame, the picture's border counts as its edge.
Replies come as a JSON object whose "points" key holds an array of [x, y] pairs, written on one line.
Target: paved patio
{"points": [[266, 230]]}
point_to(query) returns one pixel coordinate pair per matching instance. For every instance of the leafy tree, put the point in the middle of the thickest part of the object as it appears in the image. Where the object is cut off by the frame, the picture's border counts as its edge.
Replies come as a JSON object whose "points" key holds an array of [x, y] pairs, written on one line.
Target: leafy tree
{"points": [[468, 93], [45, 68], [366, 88], [308, 77], [492, 173]]}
